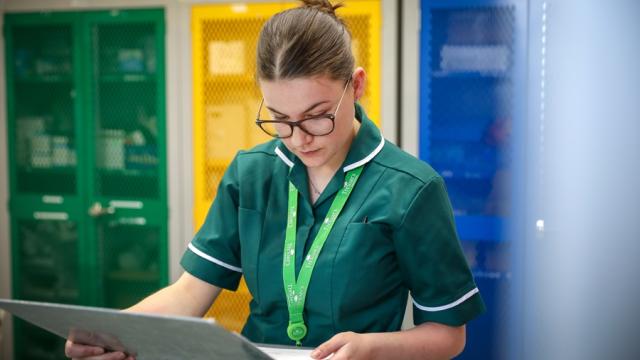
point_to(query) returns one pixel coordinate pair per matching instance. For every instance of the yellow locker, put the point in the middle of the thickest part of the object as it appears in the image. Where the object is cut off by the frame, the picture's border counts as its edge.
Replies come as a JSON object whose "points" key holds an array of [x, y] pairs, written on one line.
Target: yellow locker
{"points": [[226, 99]]}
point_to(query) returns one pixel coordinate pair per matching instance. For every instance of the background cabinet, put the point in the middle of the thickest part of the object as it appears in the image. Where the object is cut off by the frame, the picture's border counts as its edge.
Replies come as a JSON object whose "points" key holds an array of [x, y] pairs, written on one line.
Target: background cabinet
{"points": [[88, 203], [471, 83]]}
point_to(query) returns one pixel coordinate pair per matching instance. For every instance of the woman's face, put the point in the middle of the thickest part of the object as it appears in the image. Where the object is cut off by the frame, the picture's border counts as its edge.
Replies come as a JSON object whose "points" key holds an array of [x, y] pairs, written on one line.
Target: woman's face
{"points": [[300, 98]]}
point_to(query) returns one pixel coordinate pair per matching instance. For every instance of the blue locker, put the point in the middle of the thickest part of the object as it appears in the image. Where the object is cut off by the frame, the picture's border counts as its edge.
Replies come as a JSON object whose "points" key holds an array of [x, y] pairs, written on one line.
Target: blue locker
{"points": [[472, 91]]}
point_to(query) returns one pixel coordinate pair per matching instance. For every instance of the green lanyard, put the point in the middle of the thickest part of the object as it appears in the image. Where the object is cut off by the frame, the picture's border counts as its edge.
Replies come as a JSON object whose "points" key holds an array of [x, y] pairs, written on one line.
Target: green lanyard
{"points": [[296, 291]]}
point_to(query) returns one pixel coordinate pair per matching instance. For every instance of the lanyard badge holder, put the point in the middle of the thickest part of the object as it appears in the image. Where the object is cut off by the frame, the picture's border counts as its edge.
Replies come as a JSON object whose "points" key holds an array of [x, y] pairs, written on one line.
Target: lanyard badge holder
{"points": [[296, 291]]}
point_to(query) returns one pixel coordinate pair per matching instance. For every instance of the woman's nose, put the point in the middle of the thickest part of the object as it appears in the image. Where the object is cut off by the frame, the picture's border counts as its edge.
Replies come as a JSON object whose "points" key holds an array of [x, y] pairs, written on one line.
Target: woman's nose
{"points": [[299, 137]]}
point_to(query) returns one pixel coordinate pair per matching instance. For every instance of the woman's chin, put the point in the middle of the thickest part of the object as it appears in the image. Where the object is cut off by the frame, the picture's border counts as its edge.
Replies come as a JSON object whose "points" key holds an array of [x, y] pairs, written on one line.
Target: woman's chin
{"points": [[312, 163], [311, 158]]}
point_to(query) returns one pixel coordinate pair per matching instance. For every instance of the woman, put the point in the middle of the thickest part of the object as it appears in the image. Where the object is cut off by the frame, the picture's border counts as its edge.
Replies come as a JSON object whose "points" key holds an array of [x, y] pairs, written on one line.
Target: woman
{"points": [[330, 225]]}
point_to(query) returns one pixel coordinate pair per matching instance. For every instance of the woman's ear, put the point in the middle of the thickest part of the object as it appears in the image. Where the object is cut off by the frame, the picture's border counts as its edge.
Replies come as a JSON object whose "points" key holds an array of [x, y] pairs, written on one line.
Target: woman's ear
{"points": [[358, 81]]}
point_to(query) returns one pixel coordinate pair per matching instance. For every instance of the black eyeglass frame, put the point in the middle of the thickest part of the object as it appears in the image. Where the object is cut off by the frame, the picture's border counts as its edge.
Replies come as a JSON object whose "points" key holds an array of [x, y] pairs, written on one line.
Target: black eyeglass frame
{"points": [[298, 123]]}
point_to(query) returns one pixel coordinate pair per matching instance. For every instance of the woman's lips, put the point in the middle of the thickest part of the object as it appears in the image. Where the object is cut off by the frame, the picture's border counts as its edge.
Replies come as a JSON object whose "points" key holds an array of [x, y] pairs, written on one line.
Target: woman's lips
{"points": [[309, 153]]}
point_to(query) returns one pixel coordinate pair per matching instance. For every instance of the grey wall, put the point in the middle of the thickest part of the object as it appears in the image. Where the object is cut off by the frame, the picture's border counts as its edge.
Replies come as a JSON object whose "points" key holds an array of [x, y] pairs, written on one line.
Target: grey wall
{"points": [[578, 273]]}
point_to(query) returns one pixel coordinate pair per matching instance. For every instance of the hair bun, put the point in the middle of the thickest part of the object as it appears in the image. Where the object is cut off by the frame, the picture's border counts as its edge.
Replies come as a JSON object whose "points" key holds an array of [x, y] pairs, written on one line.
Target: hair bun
{"points": [[322, 5]]}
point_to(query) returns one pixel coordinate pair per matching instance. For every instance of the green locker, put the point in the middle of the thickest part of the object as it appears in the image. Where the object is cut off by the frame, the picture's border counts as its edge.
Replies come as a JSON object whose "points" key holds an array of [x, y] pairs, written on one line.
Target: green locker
{"points": [[87, 161]]}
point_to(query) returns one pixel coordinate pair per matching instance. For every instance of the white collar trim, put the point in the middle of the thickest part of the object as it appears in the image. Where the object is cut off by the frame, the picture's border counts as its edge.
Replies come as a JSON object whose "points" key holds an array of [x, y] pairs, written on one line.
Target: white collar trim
{"points": [[283, 157], [356, 164], [367, 158]]}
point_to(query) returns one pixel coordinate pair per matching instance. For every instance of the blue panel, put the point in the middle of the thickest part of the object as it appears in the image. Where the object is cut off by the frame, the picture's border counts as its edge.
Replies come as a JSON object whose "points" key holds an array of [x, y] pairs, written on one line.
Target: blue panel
{"points": [[471, 84], [480, 228], [466, 106]]}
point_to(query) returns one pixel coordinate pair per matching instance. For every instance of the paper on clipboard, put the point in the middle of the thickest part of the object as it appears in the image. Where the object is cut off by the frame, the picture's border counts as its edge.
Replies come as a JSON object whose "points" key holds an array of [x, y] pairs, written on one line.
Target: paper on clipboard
{"points": [[148, 337], [286, 353]]}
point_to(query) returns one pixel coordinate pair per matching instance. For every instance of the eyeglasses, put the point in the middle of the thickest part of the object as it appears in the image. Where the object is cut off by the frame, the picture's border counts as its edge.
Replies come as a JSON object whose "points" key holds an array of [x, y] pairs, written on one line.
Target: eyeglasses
{"points": [[318, 125]]}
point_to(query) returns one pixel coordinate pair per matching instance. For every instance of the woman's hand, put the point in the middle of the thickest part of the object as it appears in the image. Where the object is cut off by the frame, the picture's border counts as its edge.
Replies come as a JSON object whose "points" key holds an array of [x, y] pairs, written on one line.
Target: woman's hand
{"points": [[427, 341], [347, 345], [86, 352]]}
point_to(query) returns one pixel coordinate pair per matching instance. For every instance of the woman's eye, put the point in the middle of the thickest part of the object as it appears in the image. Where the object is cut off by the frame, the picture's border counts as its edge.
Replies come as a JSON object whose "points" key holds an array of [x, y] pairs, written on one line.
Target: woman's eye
{"points": [[311, 116]]}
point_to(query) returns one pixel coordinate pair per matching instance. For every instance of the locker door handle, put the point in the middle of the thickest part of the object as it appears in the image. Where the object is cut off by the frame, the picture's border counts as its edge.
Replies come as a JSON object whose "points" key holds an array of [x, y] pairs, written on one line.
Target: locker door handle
{"points": [[47, 215], [97, 210]]}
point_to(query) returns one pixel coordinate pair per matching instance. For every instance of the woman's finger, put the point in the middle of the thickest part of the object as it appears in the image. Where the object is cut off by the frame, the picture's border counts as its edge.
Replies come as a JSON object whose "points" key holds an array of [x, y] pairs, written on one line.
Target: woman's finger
{"points": [[77, 350], [87, 352], [331, 346], [116, 355]]}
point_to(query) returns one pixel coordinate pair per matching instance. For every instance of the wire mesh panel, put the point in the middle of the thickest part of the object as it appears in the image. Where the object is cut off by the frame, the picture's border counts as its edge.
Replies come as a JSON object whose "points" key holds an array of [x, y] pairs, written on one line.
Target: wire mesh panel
{"points": [[57, 88], [225, 95], [127, 194], [47, 271], [43, 92], [48, 260], [467, 108], [471, 105], [226, 99], [363, 20], [130, 261], [44, 143], [126, 116]]}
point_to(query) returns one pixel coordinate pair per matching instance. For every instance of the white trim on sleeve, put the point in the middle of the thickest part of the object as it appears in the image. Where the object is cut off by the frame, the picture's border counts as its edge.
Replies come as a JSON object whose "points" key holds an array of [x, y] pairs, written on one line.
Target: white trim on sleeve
{"points": [[212, 259], [447, 306]]}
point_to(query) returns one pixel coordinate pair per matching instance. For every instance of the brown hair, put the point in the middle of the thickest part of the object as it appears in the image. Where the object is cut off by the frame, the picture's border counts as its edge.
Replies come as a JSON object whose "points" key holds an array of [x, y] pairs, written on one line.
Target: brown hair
{"points": [[305, 41]]}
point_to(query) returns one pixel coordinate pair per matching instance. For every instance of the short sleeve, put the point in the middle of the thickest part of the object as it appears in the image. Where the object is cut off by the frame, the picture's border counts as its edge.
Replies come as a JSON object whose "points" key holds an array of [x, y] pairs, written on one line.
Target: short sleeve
{"points": [[214, 253], [432, 262]]}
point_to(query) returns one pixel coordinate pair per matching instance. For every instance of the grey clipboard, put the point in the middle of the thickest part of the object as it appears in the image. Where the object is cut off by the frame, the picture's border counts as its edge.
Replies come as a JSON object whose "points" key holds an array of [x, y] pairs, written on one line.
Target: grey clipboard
{"points": [[148, 337]]}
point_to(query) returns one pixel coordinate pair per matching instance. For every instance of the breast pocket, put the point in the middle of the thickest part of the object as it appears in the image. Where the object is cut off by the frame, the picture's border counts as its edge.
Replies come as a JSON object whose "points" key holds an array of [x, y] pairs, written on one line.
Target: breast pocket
{"points": [[366, 266], [250, 231]]}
